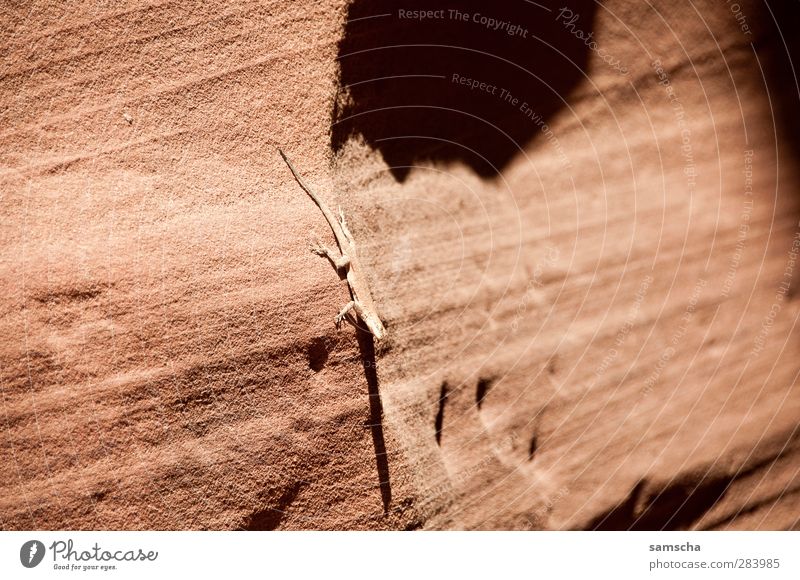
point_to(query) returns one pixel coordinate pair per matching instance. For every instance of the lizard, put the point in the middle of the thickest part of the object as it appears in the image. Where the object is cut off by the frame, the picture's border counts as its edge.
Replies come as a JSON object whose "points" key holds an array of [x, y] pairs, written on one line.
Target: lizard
{"points": [[360, 296]]}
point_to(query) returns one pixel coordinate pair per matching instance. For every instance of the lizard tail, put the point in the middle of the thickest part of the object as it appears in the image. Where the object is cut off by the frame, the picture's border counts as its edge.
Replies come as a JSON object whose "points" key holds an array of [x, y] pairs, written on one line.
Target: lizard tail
{"points": [[340, 238]]}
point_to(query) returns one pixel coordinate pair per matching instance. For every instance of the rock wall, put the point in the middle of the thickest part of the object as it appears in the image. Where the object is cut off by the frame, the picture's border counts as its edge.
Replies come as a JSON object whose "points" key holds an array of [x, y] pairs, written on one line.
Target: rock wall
{"points": [[599, 334]]}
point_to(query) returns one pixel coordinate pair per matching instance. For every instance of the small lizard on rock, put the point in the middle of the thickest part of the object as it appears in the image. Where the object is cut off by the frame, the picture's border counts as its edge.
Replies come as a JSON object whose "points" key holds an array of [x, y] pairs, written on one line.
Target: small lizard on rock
{"points": [[361, 301]]}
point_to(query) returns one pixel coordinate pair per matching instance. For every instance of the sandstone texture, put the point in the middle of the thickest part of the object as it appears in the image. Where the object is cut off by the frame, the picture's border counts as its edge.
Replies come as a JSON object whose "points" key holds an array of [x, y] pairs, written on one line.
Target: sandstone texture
{"points": [[591, 302]]}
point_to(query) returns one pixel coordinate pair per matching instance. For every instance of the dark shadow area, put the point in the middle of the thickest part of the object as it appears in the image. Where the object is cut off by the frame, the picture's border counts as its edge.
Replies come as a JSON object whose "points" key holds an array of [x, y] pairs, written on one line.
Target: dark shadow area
{"points": [[271, 517], [675, 507], [778, 44], [438, 423], [621, 515], [754, 506], [366, 344], [679, 503], [484, 384], [410, 87], [317, 354], [533, 447]]}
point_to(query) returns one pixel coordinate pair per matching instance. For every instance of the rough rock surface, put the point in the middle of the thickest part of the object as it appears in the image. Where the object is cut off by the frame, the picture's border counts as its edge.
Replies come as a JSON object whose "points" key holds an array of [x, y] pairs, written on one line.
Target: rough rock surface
{"points": [[597, 338]]}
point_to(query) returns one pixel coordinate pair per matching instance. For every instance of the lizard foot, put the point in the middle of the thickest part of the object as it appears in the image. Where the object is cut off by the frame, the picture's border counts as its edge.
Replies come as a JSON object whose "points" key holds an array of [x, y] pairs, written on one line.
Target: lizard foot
{"points": [[318, 248], [344, 312]]}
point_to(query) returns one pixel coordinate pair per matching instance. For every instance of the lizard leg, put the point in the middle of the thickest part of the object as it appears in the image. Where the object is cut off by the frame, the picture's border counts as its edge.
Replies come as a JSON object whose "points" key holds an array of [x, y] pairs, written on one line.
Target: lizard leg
{"points": [[347, 312], [344, 312], [320, 249]]}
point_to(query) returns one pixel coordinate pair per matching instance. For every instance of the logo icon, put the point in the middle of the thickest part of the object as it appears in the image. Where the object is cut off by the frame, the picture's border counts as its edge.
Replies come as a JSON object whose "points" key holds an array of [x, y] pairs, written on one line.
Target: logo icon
{"points": [[31, 553]]}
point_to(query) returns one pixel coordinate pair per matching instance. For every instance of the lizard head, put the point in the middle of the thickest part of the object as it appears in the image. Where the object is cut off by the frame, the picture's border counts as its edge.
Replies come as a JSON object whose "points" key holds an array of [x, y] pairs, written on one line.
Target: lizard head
{"points": [[375, 325]]}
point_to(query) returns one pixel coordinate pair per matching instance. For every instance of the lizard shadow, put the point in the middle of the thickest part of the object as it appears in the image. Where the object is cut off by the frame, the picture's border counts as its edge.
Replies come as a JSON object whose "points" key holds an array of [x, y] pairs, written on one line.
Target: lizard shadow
{"points": [[366, 345], [406, 84]]}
